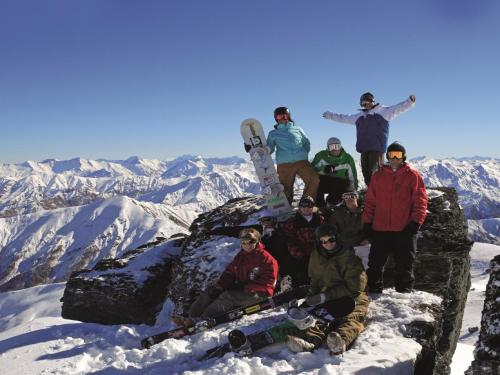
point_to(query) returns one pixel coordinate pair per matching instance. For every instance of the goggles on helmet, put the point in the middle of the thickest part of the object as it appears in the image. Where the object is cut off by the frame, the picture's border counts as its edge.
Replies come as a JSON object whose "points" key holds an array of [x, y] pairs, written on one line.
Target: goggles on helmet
{"points": [[281, 116], [334, 146], [395, 155]]}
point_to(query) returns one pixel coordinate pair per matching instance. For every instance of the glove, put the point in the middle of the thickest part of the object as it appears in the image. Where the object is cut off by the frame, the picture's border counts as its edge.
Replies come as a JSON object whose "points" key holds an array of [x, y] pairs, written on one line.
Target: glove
{"points": [[316, 299], [247, 147], [329, 168], [412, 228], [254, 273], [412, 98], [367, 230], [214, 292], [328, 115]]}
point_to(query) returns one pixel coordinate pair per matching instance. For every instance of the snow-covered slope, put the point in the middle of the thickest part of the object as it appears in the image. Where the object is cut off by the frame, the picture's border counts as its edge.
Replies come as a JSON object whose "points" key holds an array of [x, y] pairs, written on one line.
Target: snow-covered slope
{"points": [[477, 181], [31, 328], [47, 246]]}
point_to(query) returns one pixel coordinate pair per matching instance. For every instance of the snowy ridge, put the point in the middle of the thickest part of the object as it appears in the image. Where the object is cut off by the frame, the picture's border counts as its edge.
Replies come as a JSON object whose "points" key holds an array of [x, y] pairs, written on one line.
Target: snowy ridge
{"points": [[47, 246]]}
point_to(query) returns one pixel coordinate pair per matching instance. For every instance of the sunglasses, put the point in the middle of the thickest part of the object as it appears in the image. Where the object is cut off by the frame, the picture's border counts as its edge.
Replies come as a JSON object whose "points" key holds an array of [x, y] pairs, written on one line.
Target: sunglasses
{"points": [[395, 155], [349, 196], [306, 205], [281, 116], [248, 242], [328, 240], [364, 103], [334, 146], [266, 220]]}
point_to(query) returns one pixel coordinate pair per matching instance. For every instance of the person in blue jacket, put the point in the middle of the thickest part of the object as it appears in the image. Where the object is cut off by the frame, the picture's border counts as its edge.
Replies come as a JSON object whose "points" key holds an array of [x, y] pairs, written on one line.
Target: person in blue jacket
{"points": [[292, 149], [372, 129]]}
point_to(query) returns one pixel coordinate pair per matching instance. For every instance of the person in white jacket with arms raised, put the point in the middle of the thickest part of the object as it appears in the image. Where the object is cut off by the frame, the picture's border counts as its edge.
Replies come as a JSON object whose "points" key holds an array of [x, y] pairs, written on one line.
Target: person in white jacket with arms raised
{"points": [[372, 129]]}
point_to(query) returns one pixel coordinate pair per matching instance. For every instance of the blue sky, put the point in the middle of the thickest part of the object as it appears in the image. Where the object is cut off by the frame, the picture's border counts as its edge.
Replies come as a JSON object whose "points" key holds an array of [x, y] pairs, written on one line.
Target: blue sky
{"points": [[111, 79]]}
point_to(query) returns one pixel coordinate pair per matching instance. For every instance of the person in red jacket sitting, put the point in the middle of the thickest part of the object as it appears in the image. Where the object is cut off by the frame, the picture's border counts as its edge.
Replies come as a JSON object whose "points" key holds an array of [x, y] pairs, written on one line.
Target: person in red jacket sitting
{"points": [[395, 208], [249, 278]]}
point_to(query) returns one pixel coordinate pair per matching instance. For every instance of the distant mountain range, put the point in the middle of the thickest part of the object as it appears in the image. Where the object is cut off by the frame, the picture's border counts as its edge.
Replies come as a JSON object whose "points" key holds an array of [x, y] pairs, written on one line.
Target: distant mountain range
{"points": [[57, 216]]}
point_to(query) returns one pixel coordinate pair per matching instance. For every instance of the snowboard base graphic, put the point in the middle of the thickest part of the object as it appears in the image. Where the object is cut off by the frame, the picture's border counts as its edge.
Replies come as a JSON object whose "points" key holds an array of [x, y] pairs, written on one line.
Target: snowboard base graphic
{"points": [[253, 135]]}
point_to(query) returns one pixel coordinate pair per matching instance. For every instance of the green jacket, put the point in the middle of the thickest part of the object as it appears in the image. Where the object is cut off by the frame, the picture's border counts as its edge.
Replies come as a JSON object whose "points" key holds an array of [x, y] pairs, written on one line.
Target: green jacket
{"points": [[348, 224], [339, 275], [344, 166]]}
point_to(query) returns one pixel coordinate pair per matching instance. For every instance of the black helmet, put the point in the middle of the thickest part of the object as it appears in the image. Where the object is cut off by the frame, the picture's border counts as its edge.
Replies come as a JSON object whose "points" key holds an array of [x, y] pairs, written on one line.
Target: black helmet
{"points": [[326, 230], [396, 146], [281, 111], [366, 97]]}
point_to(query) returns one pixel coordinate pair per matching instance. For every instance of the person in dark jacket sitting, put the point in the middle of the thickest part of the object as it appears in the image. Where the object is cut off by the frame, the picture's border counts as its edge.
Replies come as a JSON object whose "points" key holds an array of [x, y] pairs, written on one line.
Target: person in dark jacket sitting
{"points": [[347, 219], [299, 231], [249, 278]]}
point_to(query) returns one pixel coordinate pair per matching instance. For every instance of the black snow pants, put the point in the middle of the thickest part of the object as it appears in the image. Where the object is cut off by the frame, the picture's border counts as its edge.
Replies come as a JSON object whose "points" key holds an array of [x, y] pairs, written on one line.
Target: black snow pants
{"points": [[402, 246]]}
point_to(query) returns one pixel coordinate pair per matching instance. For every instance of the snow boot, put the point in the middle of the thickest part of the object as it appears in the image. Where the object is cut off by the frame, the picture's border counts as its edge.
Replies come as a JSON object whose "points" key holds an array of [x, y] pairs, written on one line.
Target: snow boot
{"points": [[335, 343]]}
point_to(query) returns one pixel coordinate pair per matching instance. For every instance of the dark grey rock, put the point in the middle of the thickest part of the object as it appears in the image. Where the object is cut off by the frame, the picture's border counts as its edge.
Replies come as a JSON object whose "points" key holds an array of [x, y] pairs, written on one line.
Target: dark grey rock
{"points": [[130, 289], [487, 352]]}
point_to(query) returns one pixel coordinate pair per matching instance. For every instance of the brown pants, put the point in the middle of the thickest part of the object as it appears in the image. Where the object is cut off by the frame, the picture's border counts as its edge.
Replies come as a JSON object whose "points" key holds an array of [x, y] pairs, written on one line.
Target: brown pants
{"points": [[352, 325], [287, 173]]}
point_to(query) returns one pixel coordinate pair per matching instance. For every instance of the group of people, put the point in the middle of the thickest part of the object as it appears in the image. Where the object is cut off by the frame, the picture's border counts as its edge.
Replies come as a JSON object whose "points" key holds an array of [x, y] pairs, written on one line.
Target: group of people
{"points": [[316, 247]]}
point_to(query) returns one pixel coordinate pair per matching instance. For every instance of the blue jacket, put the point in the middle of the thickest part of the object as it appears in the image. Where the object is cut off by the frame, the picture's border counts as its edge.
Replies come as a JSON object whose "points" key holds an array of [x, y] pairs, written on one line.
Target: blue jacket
{"points": [[290, 142], [372, 127]]}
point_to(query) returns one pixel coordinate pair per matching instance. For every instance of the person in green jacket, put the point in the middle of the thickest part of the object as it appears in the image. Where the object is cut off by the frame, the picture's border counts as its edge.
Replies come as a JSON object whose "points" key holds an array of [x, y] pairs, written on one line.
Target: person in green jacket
{"points": [[335, 272], [347, 219], [337, 172]]}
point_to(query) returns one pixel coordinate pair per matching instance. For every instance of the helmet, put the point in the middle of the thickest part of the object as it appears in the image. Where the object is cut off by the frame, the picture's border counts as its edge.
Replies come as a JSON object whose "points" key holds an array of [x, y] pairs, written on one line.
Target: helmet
{"points": [[282, 110], [366, 97], [396, 146], [333, 140], [325, 230], [267, 214], [308, 200]]}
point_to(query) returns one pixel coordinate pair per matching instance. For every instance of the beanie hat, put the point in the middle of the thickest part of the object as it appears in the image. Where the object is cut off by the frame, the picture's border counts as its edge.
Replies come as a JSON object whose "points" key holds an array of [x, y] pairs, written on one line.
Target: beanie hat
{"points": [[325, 230]]}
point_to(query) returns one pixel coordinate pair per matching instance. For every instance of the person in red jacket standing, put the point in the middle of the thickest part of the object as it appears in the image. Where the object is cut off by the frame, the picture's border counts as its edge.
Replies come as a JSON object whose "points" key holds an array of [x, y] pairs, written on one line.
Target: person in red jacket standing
{"points": [[395, 208], [249, 278]]}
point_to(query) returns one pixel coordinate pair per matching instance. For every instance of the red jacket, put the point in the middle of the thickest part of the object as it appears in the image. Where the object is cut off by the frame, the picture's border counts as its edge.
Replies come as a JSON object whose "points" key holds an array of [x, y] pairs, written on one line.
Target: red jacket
{"points": [[300, 234], [395, 198], [259, 265]]}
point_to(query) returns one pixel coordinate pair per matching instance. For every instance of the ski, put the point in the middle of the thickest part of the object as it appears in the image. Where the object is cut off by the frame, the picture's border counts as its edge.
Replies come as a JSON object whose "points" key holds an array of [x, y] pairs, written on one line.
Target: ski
{"points": [[243, 344], [204, 324], [253, 135]]}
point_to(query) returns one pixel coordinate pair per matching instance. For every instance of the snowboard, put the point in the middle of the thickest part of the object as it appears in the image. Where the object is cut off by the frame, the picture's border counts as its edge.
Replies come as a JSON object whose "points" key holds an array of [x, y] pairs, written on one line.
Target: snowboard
{"points": [[253, 135], [243, 344], [205, 324]]}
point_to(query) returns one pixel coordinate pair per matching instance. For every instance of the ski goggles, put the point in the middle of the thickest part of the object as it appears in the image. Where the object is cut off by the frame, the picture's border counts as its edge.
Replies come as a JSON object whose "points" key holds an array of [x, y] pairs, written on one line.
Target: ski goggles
{"points": [[330, 239], [306, 205], [248, 242], [281, 116], [395, 155], [364, 103], [334, 146], [349, 196]]}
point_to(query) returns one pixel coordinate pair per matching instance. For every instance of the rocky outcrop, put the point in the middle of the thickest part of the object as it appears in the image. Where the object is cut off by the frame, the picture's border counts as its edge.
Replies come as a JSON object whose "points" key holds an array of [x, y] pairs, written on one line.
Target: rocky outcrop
{"points": [[487, 352], [442, 267], [130, 289]]}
